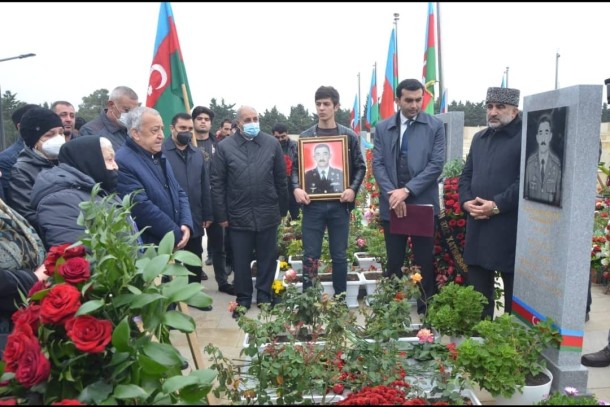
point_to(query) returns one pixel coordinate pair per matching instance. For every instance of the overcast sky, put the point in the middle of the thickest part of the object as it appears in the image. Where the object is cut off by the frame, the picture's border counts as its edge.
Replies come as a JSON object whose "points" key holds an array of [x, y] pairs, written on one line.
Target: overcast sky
{"points": [[266, 55]]}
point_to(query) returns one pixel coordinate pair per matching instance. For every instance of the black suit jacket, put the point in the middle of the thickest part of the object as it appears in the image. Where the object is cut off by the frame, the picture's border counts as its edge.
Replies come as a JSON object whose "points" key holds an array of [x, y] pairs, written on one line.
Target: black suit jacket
{"points": [[333, 183]]}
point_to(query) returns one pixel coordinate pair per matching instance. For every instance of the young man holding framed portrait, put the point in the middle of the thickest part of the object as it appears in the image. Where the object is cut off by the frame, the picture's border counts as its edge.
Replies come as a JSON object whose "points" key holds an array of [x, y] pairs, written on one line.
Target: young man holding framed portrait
{"points": [[331, 210]]}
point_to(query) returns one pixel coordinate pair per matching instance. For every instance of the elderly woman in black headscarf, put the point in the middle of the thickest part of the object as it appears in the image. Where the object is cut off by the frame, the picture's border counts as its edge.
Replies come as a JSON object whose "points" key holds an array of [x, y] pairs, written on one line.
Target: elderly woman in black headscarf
{"points": [[58, 191]]}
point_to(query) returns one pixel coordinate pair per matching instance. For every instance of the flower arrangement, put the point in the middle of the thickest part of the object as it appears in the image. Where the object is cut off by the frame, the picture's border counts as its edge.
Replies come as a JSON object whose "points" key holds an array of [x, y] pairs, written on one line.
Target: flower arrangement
{"points": [[600, 248], [571, 397], [450, 237], [369, 185], [86, 334]]}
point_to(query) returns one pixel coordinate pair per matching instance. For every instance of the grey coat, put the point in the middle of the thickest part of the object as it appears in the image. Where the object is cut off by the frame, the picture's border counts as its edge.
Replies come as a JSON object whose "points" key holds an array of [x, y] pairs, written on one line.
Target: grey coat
{"points": [[426, 157], [492, 172]]}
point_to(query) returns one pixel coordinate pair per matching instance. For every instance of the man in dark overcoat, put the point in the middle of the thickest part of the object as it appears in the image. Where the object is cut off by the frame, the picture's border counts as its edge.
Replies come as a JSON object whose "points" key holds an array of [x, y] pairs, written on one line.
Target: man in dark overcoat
{"points": [[489, 195]]}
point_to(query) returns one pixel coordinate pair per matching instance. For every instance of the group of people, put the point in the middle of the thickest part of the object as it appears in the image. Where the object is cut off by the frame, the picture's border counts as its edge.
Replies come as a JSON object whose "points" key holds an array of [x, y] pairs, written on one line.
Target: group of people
{"points": [[239, 188]]}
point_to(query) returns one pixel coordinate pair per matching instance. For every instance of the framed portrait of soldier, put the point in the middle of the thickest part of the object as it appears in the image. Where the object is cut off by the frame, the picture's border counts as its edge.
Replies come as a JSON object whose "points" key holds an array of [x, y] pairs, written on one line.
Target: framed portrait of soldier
{"points": [[545, 152], [323, 166]]}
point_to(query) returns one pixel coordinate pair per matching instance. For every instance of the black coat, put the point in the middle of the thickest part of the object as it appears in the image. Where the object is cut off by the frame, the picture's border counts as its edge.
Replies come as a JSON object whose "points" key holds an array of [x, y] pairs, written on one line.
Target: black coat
{"points": [[249, 183], [192, 177], [492, 172]]}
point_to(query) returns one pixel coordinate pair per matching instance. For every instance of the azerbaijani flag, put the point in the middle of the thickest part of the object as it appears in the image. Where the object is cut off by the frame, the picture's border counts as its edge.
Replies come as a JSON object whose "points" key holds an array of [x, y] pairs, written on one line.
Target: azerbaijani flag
{"points": [[386, 107], [372, 105], [354, 116], [444, 107], [429, 71], [168, 87]]}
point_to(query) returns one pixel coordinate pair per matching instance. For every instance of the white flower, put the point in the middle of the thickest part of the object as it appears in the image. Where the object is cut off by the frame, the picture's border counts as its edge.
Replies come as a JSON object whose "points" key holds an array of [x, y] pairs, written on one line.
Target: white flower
{"points": [[570, 391], [604, 261]]}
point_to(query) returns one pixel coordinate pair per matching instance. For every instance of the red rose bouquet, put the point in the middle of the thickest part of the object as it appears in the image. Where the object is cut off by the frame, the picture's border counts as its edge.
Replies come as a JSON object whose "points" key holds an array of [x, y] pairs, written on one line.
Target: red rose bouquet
{"points": [[78, 339]]}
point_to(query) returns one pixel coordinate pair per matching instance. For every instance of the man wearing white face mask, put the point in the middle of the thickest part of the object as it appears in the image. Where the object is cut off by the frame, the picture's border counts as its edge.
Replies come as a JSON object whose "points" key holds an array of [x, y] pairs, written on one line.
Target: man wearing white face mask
{"points": [[111, 122], [43, 134], [250, 197]]}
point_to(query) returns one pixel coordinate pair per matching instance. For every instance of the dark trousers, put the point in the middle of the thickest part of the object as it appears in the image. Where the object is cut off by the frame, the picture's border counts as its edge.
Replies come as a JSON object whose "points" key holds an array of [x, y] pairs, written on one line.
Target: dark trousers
{"points": [[423, 253], [216, 243], [482, 280], [194, 246], [317, 217], [294, 208], [265, 244]]}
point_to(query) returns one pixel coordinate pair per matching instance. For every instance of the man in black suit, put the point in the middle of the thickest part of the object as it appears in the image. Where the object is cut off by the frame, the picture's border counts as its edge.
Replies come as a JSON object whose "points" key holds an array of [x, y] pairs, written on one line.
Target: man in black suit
{"points": [[323, 179]]}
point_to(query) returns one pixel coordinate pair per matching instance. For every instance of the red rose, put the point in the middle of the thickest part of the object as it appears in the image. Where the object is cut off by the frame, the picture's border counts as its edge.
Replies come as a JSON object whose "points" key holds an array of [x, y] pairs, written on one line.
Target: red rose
{"points": [[89, 334], [452, 223], [450, 202], [17, 342], [8, 402], [62, 302], [76, 251], [75, 270], [459, 236], [34, 367], [38, 286], [459, 279], [54, 254], [29, 315], [461, 223], [68, 402]]}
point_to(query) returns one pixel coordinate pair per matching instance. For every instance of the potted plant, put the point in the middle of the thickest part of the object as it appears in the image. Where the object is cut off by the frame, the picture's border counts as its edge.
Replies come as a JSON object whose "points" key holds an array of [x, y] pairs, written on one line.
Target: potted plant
{"points": [[569, 396], [509, 357], [455, 310]]}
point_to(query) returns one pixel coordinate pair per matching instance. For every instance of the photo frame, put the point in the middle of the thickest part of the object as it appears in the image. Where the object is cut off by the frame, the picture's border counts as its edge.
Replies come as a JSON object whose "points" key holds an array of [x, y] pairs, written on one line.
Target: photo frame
{"points": [[323, 166], [545, 155]]}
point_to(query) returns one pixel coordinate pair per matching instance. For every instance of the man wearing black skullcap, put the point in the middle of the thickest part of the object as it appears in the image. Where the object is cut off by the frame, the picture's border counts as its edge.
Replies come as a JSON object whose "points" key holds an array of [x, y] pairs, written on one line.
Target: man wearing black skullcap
{"points": [[8, 157], [489, 195], [58, 191], [43, 135]]}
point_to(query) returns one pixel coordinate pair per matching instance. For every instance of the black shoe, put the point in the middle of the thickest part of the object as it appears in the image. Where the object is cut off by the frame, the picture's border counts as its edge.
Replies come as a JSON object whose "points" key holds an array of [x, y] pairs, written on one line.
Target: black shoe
{"points": [[597, 359], [204, 276], [208, 262], [227, 288], [208, 308], [587, 317]]}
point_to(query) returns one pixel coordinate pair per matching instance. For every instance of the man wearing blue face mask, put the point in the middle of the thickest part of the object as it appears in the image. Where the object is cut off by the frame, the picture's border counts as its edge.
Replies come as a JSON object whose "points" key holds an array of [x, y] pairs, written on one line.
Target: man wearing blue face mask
{"points": [[250, 197], [43, 134], [111, 122]]}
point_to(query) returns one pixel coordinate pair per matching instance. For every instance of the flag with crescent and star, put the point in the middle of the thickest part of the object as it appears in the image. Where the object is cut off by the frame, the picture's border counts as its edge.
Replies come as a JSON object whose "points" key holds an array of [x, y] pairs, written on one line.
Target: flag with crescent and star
{"points": [[168, 89]]}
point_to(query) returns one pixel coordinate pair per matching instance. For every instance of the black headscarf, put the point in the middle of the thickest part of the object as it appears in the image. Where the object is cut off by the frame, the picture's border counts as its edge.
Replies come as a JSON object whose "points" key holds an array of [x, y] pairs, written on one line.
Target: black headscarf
{"points": [[85, 154]]}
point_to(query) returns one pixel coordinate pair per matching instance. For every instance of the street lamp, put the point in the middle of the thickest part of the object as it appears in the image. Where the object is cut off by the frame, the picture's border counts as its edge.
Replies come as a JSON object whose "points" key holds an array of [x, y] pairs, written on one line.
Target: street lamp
{"points": [[2, 140]]}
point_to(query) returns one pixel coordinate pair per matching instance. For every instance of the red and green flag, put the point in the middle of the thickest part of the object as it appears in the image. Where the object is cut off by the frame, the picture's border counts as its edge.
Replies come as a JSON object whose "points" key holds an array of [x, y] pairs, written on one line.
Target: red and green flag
{"points": [[372, 105], [429, 72], [168, 87], [386, 107]]}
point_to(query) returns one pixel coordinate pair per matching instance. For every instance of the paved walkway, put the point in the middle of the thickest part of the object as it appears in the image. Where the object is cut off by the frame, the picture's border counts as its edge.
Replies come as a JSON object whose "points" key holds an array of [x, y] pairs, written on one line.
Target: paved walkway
{"points": [[219, 328]]}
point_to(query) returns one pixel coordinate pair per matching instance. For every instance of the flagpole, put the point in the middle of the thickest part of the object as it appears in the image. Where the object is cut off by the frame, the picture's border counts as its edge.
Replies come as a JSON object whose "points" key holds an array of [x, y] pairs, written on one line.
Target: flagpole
{"points": [[396, 17], [187, 108], [557, 69], [359, 102], [440, 60]]}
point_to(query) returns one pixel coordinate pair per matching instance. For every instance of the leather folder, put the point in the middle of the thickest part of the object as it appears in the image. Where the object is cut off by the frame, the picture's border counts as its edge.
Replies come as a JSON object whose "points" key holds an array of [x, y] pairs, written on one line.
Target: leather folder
{"points": [[418, 222]]}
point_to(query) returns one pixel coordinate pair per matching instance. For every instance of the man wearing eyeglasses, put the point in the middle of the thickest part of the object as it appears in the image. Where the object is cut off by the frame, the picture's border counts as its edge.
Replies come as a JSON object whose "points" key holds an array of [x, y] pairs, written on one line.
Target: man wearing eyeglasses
{"points": [[111, 122]]}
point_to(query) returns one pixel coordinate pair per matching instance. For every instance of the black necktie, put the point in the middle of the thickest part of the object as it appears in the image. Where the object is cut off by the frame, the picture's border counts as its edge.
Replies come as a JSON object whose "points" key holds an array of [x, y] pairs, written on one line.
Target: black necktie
{"points": [[542, 171], [403, 143], [323, 175]]}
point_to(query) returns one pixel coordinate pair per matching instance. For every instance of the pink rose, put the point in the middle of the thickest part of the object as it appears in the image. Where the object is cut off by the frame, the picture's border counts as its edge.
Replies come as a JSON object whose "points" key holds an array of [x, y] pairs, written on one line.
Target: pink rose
{"points": [[290, 276]]}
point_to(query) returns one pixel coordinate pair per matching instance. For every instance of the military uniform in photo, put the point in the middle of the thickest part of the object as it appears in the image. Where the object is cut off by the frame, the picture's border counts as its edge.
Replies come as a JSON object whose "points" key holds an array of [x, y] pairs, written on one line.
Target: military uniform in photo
{"points": [[547, 189], [317, 183]]}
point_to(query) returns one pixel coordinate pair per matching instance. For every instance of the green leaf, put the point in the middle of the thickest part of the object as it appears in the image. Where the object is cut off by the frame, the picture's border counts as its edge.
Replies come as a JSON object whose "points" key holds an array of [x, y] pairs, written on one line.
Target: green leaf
{"points": [[180, 292], [155, 267], [95, 393], [167, 244], [89, 307], [134, 290], [178, 382], [120, 336], [176, 270], [187, 257], [129, 391], [200, 300], [122, 299], [150, 366], [144, 299], [162, 353], [180, 321], [207, 376]]}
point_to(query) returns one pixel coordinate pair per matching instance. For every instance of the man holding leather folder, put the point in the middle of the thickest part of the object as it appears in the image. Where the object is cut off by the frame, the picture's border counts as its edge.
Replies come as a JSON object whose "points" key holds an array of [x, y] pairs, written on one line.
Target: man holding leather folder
{"points": [[408, 158]]}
